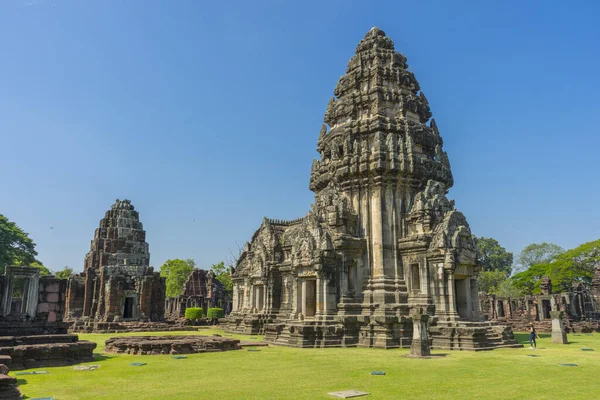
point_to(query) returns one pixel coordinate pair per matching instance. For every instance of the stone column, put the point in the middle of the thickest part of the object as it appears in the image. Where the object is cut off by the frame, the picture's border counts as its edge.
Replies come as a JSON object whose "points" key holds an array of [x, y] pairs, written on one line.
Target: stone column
{"points": [[467, 289], [420, 340], [559, 335], [304, 297], [235, 297], [320, 298], [451, 296], [442, 302], [251, 297], [294, 294], [377, 232]]}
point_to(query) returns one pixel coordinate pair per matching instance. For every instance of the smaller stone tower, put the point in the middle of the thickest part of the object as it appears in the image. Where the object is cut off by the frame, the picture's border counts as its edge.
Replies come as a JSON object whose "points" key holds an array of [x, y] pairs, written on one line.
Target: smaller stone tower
{"points": [[117, 283]]}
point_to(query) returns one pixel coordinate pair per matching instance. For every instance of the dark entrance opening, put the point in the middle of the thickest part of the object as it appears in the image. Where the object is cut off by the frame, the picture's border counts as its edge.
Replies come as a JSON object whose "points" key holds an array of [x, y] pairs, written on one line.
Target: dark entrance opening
{"points": [[128, 309], [416, 279], [546, 308], [501, 309]]}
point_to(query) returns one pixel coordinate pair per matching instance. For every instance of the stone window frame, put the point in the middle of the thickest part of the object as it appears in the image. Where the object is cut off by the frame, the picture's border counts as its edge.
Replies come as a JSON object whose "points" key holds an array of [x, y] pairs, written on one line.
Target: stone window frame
{"points": [[32, 276]]}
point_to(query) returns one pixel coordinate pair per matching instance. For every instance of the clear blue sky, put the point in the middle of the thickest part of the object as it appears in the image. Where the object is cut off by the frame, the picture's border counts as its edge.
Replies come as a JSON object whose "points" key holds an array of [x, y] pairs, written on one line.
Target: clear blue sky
{"points": [[206, 114]]}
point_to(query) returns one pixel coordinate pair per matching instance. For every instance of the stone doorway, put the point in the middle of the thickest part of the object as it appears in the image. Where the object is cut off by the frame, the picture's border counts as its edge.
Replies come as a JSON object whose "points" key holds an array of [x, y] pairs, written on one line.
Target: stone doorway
{"points": [[310, 298], [128, 308], [546, 308], [462, 288], [259, 293]]}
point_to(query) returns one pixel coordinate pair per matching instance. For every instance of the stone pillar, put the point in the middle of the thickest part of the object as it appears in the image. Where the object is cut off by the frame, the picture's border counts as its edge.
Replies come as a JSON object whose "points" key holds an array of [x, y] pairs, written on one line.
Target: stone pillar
{"points": [[442, 308], [420, 340], [451, 296], [377, 233], [251, 297], [559, 335], [467, 289], [303, 297], [235, 297], [320, 297]]}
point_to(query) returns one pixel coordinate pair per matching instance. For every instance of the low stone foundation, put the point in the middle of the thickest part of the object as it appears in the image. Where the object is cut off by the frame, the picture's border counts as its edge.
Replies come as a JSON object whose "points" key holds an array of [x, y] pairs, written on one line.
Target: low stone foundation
{"points": [[157, 345], [475, 336], [46, 350], [8, 384], [119, 327]]}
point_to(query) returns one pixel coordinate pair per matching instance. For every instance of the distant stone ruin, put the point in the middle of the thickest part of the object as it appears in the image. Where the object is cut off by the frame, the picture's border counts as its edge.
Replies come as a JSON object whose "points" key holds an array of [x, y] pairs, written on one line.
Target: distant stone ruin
{"points": [[201, 289], [381, 239], [117, 284], [579, 307]]}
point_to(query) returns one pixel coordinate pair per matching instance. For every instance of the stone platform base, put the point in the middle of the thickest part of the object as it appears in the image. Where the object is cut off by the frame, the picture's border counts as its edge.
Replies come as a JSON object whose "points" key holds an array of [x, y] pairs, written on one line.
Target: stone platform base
{"points": [[8, 384], [307, 334], [252, 324], [474, 336], [157, 345], [46, 350], [118, 327]]}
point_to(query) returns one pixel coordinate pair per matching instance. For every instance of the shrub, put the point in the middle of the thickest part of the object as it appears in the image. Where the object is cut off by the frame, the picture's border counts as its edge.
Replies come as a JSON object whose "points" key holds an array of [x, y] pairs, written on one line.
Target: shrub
{"points": [[193, 313], [214, 313]]}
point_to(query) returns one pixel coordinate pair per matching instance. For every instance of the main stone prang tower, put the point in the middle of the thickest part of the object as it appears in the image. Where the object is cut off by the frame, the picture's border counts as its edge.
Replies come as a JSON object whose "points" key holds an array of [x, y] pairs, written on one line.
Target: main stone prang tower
{"points": [[382, 242], [377, 145]]}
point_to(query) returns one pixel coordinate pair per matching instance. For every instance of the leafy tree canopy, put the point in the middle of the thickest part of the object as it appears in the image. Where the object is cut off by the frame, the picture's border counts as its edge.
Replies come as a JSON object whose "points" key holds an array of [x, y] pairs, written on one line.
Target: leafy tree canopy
{"points": [[488, 281], [223, 275], [492, 256], [572, 266], [16, 247], [65, 273], [176, 271], [538, 253]]}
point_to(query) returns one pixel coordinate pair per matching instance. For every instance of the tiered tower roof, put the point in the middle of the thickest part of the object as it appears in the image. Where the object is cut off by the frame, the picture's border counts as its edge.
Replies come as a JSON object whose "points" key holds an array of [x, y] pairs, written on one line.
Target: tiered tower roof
{"points": [[376, 124], [119, 240]]}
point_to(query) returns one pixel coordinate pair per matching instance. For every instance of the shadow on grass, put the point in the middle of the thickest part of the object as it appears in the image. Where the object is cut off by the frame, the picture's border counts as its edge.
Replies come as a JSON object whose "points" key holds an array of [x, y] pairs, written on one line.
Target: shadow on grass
{"points": [[101, 357]]}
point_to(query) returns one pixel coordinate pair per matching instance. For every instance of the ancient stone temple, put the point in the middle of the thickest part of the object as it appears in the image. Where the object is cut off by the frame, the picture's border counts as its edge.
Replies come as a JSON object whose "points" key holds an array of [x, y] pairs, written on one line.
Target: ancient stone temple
{"points": [[117, 283], [201, 289], [32, 330], [381, 238]]}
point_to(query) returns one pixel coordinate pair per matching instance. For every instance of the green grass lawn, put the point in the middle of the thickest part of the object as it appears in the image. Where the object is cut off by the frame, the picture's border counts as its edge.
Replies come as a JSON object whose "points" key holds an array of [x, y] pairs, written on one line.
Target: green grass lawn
{"points": [[289, 373]]}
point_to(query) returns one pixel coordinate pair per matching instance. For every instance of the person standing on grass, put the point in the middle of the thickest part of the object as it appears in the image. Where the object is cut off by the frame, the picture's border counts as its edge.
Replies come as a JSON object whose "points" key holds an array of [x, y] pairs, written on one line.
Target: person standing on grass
{"points": [[532, 335]]}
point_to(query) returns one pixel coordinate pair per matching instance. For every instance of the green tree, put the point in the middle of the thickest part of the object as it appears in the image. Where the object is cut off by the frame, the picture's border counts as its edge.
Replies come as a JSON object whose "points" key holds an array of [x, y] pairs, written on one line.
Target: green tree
{"points": [[489, 281], [65, 273], [176, 271], [223, 275], [16, 247], [572, 266], [492, 256], [507, 288], [538, 253]]}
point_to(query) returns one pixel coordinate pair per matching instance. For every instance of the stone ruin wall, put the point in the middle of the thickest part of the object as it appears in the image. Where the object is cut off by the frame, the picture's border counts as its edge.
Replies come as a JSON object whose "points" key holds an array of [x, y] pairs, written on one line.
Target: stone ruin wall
{"points": [[580, 307]]}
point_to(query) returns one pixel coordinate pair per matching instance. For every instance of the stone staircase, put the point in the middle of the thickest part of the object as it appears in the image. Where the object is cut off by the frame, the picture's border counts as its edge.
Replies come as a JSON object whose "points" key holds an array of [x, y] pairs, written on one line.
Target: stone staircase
{"points": [[473, 336]]}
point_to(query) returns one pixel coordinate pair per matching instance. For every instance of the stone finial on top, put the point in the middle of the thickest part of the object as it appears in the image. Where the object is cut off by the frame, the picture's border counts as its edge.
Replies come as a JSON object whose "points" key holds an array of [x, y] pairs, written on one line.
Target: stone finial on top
{"points": [[122, 205], [375, 38]]}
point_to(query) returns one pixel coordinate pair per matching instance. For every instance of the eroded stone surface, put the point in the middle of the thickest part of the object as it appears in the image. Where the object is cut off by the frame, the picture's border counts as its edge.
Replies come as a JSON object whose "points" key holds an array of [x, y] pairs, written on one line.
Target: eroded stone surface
{"points": [[155, 345]]}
